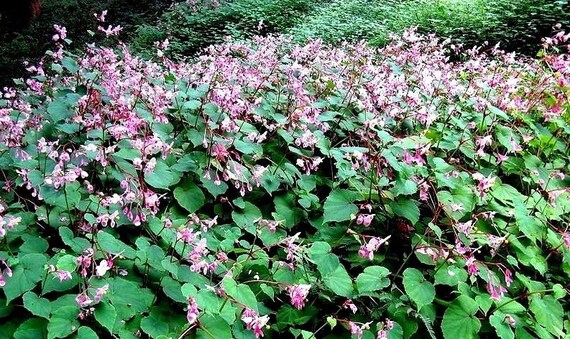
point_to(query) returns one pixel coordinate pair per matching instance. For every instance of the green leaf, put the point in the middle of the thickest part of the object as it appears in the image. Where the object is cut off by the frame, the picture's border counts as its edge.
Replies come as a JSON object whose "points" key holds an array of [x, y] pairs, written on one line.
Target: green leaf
{"points": [[33, 328], [288, 315], [189, 196], [450, 275], [404, 187], [406, 208], [339, 282], [155, 324], [33, 244], [373, 278], [162, 176], [37, 306], [503, 329], [459, 320], [25, 275], [418, 288], [129, 298], [240, 292], [286, 210], [247, 217], [339, 205], [63, 322], [86, 333], [66, 263], [114, 246], [549, 314], [106, 315], [212, 326], [172, 289]]}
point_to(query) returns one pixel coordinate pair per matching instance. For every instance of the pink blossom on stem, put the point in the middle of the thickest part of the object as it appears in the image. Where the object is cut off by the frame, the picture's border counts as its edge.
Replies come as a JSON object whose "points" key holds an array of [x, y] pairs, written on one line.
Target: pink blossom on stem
{"points": [[298, 295], [193, 312], [83, 300], [254, 322], [496, 291]]}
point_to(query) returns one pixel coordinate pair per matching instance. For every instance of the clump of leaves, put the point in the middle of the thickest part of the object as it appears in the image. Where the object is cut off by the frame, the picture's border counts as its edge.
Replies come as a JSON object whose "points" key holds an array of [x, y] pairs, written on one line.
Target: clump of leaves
{"points": [[517, 25], [279, 189], [193, 25]]}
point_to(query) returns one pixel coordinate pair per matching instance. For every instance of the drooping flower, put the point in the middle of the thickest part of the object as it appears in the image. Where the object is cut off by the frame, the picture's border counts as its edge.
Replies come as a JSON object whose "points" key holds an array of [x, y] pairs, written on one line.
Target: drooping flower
{"points": [[349, 304], [367, 249], [496, 291], [298, 295], [193, 312], [104, 266], [83, 300], [254, 322]]}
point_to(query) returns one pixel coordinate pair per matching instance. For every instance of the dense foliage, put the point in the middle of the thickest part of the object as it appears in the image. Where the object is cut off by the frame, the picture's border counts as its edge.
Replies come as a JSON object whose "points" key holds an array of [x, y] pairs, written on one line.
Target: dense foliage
{"points": [[278, 189], [518, 25], [20, 45], [193, 25]]}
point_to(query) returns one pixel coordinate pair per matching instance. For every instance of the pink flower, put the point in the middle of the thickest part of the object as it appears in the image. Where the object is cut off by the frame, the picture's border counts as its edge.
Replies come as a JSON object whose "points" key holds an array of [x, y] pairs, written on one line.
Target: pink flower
{"points": [[365, 219], [349, 304], [104, 266], [496, 292], [254, 322], [63, 275], [193, 312], [508, 277], [472, 265], [367, 250], [83, 300], [356, 330], [298, 295], [100, 292]]}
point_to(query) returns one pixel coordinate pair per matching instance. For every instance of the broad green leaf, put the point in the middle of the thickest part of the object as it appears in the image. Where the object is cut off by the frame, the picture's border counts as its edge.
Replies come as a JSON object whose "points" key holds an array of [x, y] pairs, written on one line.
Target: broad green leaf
{"points": [[25, 275], [288, 315], [66, 263], [106, 315], [406, 208], [86, 333], [33, 244], [212, 326], [240, 292], [459, 320], [404, 187], [129, 298], [112, 245], [339, 282], [37, 306], [33, 328], [247, 217], [339, 205], [372, 279], [162, 176], [285, 209], [189, 196], [450, 275], [502, 327], [172, 289], [418, 288], [549, 313], [156, 323], [63, 322]]}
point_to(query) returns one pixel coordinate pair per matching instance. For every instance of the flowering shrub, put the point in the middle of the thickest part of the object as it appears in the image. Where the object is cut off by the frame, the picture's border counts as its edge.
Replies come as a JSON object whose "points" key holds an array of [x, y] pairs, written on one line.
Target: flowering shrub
{"points": [[273, 189]]}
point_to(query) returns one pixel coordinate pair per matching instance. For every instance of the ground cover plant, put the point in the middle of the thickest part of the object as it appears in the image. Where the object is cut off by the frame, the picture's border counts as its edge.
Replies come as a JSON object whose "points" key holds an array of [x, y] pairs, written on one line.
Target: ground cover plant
{"points": [[517, 25], [282, 190], [193, 25], [19, 45]]}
